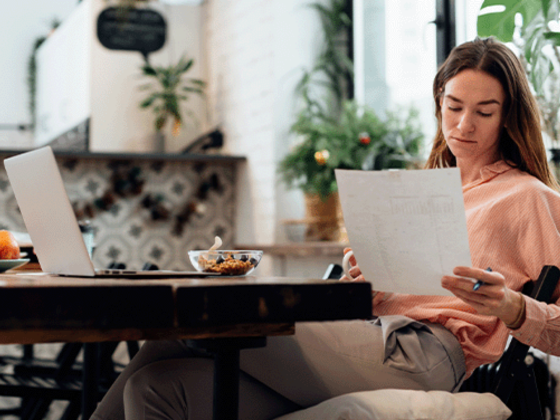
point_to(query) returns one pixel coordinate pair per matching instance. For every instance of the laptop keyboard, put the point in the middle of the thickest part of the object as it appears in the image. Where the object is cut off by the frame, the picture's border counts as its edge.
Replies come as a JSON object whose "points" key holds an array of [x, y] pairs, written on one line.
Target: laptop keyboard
{"points": [[119, 268]]}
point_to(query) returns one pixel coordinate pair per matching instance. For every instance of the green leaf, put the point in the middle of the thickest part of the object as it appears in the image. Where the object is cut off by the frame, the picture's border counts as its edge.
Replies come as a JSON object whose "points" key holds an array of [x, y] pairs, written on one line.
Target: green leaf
{"points": [[192, 89], [183, 66], [160, 122], [553, 36], [545, 4], [550, 9], [149, 70], [149, 100], [198, 82], [501, 24], [172, 106]]}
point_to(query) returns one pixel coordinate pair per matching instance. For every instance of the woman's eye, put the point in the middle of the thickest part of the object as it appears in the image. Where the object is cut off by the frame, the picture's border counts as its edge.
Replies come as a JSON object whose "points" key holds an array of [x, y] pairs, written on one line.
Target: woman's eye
{"points": [[483, 114], [454, 109]]}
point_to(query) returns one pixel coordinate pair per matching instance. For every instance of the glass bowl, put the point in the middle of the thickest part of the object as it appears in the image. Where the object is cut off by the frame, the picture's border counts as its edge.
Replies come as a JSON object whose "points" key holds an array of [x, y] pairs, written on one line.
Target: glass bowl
{"points": [[225, 262]]}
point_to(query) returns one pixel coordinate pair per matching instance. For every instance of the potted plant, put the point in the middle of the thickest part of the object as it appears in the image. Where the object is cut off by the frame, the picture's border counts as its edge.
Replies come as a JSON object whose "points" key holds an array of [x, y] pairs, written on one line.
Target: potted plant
{"points": [[165, 96], [536, 36], [335, 132], [359, 139]]}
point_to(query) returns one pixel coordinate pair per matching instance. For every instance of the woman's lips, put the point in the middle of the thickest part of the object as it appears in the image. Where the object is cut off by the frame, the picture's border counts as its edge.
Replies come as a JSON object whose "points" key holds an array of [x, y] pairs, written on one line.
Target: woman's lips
{"points": [[463, 140]]}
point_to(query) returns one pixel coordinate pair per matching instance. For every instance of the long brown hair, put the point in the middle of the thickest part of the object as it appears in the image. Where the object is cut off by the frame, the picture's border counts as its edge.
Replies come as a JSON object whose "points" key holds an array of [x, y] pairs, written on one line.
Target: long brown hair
{"points": [[521, 143]]}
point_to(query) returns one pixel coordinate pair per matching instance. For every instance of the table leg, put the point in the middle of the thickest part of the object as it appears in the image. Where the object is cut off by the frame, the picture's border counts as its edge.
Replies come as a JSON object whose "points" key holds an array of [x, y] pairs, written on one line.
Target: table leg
{"points": [[90, 382], [226, 384], [226, 371]]}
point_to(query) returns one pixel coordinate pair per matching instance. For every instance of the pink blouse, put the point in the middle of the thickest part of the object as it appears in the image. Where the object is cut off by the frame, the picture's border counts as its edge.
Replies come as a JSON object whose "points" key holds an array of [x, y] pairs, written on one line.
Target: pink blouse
{"points": [[513, 220]]}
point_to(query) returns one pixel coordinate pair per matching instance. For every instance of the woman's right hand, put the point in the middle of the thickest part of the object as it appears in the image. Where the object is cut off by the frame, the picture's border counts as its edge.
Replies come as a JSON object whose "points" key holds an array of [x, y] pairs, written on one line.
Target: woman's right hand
{"points": [[354, 270]]}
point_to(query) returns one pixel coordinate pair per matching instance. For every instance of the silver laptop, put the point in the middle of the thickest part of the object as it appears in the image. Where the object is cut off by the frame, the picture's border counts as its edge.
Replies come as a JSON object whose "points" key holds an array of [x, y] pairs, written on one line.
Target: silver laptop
{"points": [[51, 222]]}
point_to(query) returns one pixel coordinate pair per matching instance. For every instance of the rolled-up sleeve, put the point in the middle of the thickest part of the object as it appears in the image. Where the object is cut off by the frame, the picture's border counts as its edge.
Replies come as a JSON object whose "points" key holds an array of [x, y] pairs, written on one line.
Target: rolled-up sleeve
{"points": [[541, 328], [538, 246]]}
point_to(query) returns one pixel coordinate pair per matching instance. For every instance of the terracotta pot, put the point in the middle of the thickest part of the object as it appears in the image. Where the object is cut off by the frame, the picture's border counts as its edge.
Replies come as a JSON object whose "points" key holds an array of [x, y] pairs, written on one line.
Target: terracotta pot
{"points": [[323, 217]]}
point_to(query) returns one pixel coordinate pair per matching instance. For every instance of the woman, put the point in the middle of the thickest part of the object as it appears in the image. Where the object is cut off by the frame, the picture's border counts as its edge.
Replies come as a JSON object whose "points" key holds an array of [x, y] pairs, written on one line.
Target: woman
{"points": [[488, 126]]}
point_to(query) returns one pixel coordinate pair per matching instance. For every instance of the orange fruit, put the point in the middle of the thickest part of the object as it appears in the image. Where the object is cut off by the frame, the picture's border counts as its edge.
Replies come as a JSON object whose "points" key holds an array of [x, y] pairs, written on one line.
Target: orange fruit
{"points": [[9, 248]]}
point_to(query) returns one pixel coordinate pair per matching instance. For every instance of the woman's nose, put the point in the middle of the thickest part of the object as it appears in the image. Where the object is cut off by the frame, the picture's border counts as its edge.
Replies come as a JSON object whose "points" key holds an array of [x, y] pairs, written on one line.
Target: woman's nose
{"points": [[466, 123]]}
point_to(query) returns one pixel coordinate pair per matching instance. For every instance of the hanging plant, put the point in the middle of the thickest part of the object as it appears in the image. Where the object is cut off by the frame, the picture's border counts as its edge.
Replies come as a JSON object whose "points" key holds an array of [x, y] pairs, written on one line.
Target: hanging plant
{"points": [[32, 72], [326, 85]]}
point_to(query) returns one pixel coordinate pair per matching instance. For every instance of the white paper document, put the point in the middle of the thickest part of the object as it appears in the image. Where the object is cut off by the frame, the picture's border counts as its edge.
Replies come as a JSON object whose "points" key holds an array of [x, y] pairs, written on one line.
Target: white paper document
{"points": [[407, 228]]}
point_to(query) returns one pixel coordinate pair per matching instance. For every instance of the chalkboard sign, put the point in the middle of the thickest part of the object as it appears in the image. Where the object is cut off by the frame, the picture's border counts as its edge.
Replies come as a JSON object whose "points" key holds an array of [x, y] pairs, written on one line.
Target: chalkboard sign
{"points": [[140, 30]]}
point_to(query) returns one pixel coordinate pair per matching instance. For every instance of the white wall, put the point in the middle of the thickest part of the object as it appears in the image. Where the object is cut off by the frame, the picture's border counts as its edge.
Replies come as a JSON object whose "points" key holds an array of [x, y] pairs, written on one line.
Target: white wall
{"points": [[63, 77], [257, 49], [107, 82], [118, 124], [21, 23]]}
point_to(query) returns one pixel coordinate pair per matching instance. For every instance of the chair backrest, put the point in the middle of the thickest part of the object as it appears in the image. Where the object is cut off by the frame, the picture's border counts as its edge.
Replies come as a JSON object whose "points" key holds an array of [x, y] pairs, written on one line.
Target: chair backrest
{"points": [[513, 375], [514, 357]]}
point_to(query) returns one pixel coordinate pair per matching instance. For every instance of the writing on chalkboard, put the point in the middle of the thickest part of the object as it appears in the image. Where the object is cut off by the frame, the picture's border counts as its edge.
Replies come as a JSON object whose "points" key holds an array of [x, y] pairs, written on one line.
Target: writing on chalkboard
{"points": [[140, 30]]}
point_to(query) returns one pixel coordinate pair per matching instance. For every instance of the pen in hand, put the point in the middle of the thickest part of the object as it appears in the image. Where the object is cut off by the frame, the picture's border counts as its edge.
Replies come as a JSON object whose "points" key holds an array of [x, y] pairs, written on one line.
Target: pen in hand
{"points": [[480, 282]]}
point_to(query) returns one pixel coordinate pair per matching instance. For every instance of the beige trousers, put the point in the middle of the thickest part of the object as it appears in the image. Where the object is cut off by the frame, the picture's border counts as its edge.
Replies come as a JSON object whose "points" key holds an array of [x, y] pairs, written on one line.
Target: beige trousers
{"points": [[167, 380]]}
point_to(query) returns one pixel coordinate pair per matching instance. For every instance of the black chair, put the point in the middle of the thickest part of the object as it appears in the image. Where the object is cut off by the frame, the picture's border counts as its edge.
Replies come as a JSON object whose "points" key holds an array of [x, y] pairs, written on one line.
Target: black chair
{"points": [[512, 379], [40, 381]]}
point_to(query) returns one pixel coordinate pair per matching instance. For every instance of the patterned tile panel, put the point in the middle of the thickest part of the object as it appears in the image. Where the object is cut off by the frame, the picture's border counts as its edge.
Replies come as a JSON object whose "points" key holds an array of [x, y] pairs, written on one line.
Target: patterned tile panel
{"points": [[143, 211]]}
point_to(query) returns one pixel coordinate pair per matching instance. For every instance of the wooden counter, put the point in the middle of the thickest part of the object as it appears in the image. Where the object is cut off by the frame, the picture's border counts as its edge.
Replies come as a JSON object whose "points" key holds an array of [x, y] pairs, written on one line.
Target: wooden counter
{"points": [[301, 249]]}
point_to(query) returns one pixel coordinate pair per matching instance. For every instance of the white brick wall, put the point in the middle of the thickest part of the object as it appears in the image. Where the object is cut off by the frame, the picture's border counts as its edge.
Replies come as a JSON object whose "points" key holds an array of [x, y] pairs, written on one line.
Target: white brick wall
{"points": [[256, 49], [22, 23]]}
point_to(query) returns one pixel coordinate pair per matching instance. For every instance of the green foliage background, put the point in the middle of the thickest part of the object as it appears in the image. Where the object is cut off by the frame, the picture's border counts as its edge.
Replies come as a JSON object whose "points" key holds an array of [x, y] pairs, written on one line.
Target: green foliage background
{"points": [[394, 143], [330, 122], [538, 45]]}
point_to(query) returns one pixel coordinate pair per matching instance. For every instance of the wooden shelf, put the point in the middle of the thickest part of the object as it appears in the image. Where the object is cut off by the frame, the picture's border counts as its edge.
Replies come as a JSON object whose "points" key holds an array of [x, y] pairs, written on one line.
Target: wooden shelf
{"points": [[193, 157], [300, 249]]}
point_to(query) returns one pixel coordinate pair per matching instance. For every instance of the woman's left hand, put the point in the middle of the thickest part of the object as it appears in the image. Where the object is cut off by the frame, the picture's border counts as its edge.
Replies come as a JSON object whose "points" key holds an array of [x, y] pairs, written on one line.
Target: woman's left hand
{"points": [[492, 298]]}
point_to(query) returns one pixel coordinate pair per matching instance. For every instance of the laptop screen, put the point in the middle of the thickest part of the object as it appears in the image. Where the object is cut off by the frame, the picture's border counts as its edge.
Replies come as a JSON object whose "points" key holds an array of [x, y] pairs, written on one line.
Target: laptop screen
{"points": [[47, 213]]}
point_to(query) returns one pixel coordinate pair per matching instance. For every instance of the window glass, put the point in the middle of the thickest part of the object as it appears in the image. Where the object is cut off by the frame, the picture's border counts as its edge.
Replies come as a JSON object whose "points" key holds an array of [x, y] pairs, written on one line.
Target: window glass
{"points": [[395, 57], [466, 12], [395, 53], [411, 57]]}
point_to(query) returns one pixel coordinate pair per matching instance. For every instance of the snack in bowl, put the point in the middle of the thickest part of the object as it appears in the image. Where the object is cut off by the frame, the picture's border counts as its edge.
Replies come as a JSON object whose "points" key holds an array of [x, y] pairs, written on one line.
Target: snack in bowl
{"points": [[9, 248], [225, 262]]}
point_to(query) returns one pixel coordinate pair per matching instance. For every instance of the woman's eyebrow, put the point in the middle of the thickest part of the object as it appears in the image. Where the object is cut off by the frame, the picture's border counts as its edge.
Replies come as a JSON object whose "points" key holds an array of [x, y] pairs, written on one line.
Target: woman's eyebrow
{"points": [[487, 102]]}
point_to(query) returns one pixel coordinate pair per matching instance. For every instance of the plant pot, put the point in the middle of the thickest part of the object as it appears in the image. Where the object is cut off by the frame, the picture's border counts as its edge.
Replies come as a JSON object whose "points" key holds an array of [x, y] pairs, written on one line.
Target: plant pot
{"points": [[158, 145], [324, 218]]}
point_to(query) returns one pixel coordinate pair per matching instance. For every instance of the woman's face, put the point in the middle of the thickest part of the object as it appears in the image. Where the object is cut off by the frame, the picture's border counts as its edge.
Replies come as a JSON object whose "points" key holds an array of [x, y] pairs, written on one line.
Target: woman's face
{"points": [[472, 116]]}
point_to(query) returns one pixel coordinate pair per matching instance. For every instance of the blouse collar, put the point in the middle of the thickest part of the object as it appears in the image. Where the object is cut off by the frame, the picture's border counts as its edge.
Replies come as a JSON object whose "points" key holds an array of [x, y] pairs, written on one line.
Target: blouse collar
{"points": [[489, 172]]}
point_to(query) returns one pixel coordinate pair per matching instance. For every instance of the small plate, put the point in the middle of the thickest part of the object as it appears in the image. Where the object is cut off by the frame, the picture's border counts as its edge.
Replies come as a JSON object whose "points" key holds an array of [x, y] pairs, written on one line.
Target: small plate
{"points": [[9, 264]]}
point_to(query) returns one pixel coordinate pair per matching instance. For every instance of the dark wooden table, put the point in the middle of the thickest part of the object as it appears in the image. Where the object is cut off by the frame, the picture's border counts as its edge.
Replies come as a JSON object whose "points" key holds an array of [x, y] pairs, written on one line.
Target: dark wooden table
{"points": [[223, 315]]}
